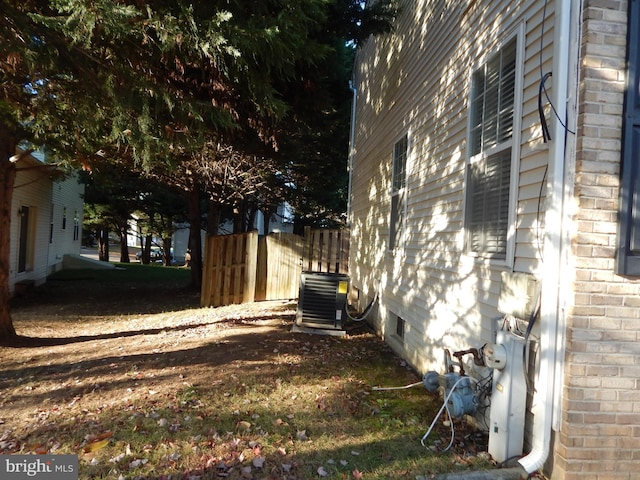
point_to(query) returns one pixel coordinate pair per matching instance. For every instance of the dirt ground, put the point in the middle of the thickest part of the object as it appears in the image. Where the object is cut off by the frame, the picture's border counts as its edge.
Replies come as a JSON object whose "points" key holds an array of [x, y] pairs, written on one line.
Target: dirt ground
{"points": [[141, 383], [79, 348]]}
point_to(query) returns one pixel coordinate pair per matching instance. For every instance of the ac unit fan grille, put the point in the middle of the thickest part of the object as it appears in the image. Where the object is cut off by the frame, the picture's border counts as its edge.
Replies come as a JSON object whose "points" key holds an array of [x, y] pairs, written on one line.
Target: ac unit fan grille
{"points": [[322, 300]]}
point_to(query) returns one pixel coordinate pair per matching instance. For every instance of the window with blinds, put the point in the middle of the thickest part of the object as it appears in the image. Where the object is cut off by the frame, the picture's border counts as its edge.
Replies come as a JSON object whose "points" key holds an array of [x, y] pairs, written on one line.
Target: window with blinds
{"points": [[490, 151], [398, 193]]}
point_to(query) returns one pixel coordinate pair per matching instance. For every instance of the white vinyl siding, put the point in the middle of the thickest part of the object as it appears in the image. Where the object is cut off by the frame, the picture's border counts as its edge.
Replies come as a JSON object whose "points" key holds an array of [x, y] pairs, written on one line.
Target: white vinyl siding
{"points": [[418, 80], [29, 224], [66, 215], [39, 244]]}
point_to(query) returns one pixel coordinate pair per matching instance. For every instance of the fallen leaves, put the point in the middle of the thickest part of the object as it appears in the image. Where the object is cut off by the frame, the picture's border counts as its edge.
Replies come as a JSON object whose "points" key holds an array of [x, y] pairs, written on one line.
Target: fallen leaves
{"points": [[95, 446], [194, 397], [97, 442], [243, 426]]}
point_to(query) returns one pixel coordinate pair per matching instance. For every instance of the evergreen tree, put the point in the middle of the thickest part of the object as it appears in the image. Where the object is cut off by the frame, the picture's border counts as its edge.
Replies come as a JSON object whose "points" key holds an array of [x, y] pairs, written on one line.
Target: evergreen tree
{"points": [[95, 80]]}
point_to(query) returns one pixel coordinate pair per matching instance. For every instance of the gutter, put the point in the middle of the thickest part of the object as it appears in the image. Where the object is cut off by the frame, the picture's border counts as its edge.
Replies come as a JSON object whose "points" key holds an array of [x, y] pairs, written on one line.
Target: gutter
{"points": [[556, 245]]}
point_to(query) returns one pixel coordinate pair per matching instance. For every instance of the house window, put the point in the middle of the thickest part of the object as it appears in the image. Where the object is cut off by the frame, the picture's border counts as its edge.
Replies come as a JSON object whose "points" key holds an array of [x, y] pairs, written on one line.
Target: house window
{"points": [[628, 254], [493, 92], [398, 192], [64, 218], [76, 226]]}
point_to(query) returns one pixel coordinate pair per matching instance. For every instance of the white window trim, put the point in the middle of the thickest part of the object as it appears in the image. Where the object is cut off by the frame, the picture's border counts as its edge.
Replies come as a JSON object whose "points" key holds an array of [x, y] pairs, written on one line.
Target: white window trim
{"points": [[400, 245], [513, 143]]}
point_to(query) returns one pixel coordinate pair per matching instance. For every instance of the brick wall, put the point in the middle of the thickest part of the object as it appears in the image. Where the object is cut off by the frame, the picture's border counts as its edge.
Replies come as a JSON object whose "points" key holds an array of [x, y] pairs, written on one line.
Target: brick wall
{"points": [[600, 429]]}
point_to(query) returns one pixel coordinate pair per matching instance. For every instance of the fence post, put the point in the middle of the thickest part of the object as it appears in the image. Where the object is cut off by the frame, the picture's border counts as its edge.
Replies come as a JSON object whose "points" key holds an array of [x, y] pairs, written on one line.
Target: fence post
{"points": [[250, 266]]}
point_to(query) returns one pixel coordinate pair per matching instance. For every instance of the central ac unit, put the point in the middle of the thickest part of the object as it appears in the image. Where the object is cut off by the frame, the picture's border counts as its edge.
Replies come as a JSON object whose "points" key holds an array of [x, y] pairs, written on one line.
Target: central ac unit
{"points": [[322, 300]]}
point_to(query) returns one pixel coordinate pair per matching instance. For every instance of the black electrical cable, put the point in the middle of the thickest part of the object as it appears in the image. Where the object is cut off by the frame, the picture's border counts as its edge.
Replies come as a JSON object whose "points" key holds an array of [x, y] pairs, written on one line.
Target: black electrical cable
{"points": [[483, 393], [543, 89], [542, 184], [546, 135], [366, 311], [527, 334], [553, 108]]}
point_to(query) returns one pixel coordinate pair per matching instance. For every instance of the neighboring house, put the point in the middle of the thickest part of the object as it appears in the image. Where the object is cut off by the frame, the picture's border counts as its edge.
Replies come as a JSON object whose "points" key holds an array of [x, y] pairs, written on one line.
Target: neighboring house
{"points": [[280, 222], [455, 191], [46, 221]]}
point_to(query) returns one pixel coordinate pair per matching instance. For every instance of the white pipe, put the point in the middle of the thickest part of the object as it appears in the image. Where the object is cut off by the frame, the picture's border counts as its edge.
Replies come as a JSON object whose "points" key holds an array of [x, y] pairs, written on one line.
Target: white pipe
{"points": [[352, 138], [551, 310], [570, 152]]}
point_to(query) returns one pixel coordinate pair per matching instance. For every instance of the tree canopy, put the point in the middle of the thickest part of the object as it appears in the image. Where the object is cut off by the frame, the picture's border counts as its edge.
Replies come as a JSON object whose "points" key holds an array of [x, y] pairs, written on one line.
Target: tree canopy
{"points": [[155, 83]]}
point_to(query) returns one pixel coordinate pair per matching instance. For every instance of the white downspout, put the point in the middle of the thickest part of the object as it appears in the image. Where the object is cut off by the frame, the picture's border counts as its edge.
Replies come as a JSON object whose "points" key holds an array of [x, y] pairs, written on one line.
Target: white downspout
{"points": [[352, 138], [549, 384]]}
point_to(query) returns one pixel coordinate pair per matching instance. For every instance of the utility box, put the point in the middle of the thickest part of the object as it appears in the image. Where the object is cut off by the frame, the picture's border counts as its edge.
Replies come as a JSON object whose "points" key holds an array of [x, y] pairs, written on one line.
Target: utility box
{"points": [[508, 401], [322, 301], [518, 294]]}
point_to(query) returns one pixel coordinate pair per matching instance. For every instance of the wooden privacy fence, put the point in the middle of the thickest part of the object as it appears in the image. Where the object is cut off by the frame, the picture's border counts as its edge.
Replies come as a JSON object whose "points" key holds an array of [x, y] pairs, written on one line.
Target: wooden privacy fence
{"points": [[326, 250], [229, 269], [279, 266], [244, 268]]}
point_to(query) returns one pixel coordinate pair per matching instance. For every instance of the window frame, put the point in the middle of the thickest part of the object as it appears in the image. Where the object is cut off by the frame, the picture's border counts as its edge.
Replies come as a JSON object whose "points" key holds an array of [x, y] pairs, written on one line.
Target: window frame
{"points": [[473, 160], [398, 206], [76, 226], [628, 237], [400, 327]]}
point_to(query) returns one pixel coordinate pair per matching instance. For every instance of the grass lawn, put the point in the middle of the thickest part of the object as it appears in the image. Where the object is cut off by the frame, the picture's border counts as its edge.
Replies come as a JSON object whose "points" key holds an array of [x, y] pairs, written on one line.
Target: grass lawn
{"points": [[123, 368]]}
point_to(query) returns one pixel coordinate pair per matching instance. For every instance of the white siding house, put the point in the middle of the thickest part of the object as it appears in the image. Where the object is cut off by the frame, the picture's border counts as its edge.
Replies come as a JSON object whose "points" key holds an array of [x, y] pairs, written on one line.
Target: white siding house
{"points": [[486, 155], [281, 221], [46, 221]]}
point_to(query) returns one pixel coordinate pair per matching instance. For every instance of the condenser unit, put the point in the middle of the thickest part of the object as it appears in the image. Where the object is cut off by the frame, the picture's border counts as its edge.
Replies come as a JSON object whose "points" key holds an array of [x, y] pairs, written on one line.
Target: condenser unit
{"points": [[322, 301]]}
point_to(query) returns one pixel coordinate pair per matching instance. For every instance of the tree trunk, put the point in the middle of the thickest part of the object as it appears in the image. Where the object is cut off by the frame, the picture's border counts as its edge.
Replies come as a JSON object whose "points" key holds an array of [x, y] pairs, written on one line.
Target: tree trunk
{"points": [[195, 239], [238, 214], [7, 180], [103, 244], [251, 219], [266, 220], [213, 217], [124, 246], [298, 225], [145, 257], [243, 217], [167, 258]]}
